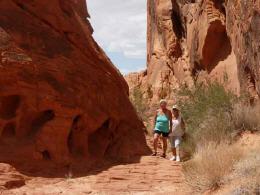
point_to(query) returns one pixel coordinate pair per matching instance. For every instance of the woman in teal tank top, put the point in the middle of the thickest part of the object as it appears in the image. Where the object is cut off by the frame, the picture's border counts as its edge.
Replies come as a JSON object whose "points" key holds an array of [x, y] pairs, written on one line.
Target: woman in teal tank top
{"points": [[162, 127], [162, 123]]}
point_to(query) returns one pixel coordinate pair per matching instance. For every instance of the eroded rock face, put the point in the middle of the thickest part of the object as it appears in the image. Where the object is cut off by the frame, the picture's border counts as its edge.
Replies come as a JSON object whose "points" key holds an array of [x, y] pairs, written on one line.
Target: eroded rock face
{"points": [[201, 40], [162, 47], [59, 93], [243, 26]]}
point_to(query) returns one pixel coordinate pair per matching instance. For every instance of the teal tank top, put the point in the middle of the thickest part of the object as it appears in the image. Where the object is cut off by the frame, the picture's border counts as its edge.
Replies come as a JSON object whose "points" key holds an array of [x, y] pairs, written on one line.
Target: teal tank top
{"points": [[162, 123]]}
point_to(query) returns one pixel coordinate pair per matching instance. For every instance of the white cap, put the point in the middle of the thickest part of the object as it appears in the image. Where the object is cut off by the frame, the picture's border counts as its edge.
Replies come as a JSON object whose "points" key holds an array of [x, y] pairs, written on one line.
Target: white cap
{"points": [[175, 107]]}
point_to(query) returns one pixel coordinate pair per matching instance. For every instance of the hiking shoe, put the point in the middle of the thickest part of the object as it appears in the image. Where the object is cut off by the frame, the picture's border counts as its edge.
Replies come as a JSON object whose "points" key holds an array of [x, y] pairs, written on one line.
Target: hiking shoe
{"points": [[178, 159], [173, 158], [154, 154], [163, 155]]}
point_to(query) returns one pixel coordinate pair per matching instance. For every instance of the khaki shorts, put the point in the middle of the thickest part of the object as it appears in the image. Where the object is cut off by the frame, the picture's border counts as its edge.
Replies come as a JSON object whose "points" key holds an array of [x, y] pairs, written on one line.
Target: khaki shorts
{"points": [[175, 141]]}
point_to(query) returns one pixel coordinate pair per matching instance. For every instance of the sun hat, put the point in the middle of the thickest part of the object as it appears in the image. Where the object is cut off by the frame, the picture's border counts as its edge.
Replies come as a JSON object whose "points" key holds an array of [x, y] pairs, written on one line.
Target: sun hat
{"points": [[163, 101], [175, 107]]}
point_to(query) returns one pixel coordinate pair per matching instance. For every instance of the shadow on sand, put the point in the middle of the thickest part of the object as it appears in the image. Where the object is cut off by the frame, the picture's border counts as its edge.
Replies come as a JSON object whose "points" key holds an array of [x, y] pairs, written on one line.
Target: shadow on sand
{"points": [[20, 155]]}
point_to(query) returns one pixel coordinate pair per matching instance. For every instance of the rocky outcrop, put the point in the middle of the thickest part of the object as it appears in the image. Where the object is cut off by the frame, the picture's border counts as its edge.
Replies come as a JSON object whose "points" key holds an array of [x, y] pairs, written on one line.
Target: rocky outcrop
{"points": [[201, 40], [162, 48], [60, 96], [9, 178], [243, 26]]}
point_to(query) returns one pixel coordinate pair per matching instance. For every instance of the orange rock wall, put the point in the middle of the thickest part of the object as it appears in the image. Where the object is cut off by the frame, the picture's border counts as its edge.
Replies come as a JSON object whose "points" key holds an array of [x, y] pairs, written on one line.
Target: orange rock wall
{"points": [[243, 27], [59, 93], [201, 40]]}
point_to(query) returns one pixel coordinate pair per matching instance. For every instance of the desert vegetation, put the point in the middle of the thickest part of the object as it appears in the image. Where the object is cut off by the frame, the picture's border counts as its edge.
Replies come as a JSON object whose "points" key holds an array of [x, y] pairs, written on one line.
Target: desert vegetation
{"points": [[215, 119], [247, 171], [140, 103], [208, 111], [210, 164]]}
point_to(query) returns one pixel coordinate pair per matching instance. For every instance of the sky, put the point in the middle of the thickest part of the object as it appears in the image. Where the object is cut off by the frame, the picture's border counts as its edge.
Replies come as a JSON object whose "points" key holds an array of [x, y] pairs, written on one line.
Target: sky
{"points": [[120, 29]]}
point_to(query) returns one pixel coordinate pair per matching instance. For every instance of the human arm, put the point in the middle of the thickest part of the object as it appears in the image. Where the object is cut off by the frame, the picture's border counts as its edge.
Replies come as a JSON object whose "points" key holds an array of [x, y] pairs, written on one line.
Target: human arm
{"points": [[154, 120], [170, 120], [183, 126]]}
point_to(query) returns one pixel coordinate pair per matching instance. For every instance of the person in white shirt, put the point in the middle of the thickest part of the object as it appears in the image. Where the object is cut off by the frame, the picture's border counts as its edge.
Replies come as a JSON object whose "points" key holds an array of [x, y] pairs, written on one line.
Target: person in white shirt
{"points": [[178, 131]]}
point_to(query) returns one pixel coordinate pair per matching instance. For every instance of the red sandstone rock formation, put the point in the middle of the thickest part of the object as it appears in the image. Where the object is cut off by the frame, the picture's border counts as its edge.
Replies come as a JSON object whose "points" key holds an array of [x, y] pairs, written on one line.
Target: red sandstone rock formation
{"points": [[243, 26], [59, 93], [202, 40]]}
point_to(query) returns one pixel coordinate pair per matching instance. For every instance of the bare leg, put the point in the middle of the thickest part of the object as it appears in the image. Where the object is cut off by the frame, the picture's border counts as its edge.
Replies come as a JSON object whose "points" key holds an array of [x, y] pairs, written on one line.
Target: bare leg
{"points": [[155, 142], [178, 151], [164, 145], [174, 151]]}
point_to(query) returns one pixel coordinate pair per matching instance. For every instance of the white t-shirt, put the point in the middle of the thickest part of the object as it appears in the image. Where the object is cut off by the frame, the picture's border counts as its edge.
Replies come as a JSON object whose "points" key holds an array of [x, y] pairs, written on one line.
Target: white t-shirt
{"points": [[176, 128]]}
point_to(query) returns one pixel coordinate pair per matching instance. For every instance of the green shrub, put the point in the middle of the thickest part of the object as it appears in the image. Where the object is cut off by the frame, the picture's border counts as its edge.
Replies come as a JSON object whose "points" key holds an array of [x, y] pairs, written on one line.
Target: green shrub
{"points": [[139, 102], [207, 111], [213, 116]]}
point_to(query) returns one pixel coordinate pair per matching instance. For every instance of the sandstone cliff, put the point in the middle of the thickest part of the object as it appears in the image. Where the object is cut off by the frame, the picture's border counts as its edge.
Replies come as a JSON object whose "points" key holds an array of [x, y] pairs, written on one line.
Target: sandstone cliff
{"points": [[202, 40], [60, 96]]}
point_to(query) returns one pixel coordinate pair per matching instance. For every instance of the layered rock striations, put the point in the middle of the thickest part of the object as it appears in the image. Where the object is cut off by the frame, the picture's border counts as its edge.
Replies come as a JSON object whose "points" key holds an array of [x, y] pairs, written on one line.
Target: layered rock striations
{"points": [[202, 40], [59, 93]]}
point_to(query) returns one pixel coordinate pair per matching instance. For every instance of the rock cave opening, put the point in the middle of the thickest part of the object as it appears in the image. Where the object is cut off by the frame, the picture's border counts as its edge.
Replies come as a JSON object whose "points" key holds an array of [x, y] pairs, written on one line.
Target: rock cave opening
{"points": [[177, 26], [99, 140], [40, 120], [77, 139], [217, 46], [8, 106], [46, 155]]}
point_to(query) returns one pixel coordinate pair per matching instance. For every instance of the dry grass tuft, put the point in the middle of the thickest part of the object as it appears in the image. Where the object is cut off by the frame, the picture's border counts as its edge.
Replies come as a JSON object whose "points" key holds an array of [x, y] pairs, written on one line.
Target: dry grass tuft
{"points": [[247, 171], [210, 164], [214, 117], [246, 117]]}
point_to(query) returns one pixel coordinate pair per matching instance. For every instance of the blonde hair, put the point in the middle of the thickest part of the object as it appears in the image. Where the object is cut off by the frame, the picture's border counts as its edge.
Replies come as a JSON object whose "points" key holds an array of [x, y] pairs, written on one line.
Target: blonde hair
{"points": [[163, 101]]}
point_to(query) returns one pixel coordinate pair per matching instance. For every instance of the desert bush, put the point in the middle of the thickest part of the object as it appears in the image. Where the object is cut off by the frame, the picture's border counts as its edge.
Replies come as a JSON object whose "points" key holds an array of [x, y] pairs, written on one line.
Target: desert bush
{"points": [[207, 111], [210, 164], [188, 146], [140, 103], [247, 171], [214, 128], [213, 116], [246, 117]]}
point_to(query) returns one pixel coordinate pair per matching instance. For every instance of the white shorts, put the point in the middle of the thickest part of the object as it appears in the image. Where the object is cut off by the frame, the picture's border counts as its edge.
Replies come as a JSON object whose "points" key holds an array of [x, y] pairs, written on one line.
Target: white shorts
{"points": [[175, 141]]}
